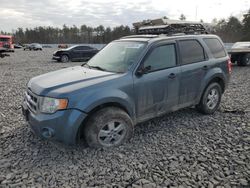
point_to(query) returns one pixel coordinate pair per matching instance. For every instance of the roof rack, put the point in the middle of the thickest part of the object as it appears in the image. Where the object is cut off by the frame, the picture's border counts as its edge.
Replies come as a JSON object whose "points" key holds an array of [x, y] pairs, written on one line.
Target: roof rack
{"points": [[168, 27]]}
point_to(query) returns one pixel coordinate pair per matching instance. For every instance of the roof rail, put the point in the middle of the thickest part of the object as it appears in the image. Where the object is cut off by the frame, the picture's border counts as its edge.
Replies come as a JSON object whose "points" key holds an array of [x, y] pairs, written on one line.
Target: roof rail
{"points": [[168, 27], [139, 36]]}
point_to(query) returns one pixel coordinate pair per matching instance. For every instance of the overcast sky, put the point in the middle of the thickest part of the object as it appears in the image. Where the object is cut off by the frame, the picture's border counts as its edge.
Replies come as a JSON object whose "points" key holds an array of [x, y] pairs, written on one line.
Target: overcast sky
{"points": [[31, 13]]}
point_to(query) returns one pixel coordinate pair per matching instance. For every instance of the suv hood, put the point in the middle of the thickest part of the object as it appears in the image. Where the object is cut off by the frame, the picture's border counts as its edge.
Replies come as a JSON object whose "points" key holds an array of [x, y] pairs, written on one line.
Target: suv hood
{"points": [[67, 80]]}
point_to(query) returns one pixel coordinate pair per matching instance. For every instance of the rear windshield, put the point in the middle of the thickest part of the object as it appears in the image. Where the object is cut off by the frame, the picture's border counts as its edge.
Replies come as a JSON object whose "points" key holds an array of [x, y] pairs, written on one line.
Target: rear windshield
{"points": [[215, 47]]}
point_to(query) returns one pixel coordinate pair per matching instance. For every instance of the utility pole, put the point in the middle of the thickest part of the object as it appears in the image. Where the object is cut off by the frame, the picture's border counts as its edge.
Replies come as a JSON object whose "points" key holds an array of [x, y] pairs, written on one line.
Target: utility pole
{"points": [[196, 12]]}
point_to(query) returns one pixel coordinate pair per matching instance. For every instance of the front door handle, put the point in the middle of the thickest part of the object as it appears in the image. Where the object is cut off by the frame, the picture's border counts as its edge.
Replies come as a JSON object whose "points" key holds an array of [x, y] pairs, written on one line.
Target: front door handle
{"points": [[172, 75]]}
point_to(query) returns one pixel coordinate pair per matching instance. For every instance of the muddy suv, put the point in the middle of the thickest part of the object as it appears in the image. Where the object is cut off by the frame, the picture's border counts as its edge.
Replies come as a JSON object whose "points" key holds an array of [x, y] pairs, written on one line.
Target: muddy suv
{"points": [[130, 81]]}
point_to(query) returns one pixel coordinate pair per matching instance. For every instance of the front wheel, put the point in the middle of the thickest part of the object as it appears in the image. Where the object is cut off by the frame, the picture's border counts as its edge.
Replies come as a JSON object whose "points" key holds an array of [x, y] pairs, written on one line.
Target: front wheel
{"points": [[64, 58], [108, 127], [210, 99]]}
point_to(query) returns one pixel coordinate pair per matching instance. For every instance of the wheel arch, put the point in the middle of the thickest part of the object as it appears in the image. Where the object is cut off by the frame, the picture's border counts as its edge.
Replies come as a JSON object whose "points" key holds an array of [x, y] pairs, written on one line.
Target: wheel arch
{"points": [[80, 131], [218, 78]]}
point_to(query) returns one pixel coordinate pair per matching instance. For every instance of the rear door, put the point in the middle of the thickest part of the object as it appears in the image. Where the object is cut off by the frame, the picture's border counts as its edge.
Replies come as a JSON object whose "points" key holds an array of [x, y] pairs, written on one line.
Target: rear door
{"points": [[157, 90], [88, 52], [194, 65], [84, 52], [76, 53]]}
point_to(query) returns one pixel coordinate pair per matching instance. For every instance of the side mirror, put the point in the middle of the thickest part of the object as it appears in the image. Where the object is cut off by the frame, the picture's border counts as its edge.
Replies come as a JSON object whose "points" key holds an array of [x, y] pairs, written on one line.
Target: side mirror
{"points": [[143, 70]]}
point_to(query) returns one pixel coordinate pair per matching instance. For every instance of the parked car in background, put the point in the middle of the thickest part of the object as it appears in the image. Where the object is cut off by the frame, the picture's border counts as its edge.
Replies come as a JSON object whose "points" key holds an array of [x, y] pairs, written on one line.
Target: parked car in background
{"points": [[63, 46], [240, 53], [33, 46], [75, 53], [17, 46], [6, 41], [129, 81]]}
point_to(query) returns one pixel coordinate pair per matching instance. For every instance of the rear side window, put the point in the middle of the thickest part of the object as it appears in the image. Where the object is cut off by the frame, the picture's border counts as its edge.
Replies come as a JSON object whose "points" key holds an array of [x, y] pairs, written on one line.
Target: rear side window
{"points": [[82, 48], [215, 47], [161, 57], [191, 51]]}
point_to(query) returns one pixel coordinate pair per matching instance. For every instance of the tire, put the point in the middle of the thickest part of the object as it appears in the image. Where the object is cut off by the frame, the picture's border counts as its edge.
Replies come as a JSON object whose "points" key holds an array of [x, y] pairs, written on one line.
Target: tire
{"points": [[239, 63], [245, 60], [108, 127], [210, 99], [64, 59]]}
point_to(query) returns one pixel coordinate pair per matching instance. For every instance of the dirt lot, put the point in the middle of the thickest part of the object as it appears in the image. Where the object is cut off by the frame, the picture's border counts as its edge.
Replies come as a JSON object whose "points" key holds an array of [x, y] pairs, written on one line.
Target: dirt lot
{"points": [[184, 148]]}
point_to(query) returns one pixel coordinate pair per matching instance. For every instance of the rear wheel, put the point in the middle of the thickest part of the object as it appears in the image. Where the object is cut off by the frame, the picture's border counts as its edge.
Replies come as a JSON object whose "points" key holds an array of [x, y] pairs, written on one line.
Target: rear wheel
{"points": [[65, 58], [108, 127], [245, 60], [210, 99]]}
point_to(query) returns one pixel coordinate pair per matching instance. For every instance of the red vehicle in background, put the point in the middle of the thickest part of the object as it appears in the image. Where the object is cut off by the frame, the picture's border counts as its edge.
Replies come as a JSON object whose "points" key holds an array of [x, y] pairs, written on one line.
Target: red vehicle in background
{"points": [[6, 41]]}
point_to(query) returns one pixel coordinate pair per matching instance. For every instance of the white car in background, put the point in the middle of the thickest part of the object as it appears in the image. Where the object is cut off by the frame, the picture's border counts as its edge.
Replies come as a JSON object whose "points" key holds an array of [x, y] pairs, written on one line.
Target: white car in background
{"points": [[33, 46], [240, 53]]}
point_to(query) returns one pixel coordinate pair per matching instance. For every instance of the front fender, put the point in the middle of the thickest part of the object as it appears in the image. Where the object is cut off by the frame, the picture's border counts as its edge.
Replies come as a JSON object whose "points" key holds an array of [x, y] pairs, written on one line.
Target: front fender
{"points": [[90, 102]]}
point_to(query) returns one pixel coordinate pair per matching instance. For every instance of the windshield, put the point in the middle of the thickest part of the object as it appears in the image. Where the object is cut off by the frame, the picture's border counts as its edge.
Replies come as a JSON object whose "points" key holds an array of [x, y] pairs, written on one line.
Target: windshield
{"points": [[117, 56], [4, 39]]}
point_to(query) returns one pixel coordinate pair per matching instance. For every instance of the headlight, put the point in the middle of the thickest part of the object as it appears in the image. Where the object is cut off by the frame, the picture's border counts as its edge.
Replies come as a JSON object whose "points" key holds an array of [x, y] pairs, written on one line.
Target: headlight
{"points": [[51, 105]]}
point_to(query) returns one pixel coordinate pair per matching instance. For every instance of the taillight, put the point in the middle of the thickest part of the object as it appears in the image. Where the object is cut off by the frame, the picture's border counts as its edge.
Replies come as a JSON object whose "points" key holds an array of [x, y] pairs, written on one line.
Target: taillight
{"points": [[229, 66]]}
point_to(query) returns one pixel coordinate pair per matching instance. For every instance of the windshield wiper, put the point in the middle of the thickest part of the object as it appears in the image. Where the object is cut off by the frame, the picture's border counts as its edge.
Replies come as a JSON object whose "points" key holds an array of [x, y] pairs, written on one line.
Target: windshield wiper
{"points": [[86, 65], [97, 67]]}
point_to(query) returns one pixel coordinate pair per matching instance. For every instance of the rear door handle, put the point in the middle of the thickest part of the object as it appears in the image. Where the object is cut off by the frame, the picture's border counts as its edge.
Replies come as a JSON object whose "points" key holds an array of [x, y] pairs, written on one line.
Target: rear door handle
{"points": [[205, 67], [172, 75]]}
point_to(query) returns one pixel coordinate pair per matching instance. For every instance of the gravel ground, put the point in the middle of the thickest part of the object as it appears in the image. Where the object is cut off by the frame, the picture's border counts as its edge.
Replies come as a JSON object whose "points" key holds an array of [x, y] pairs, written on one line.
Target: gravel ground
{"points": [[181, 149]]}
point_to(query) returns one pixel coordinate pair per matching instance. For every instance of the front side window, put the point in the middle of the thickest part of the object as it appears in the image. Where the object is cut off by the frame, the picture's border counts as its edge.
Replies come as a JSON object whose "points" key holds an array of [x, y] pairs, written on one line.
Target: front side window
{"points": [[80, 48], [161, 57], [191, 51]]}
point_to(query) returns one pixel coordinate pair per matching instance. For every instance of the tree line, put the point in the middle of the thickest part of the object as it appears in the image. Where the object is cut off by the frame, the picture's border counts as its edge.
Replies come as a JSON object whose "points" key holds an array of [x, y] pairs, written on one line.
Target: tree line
{"points": [[73, 34], [230, 30]]}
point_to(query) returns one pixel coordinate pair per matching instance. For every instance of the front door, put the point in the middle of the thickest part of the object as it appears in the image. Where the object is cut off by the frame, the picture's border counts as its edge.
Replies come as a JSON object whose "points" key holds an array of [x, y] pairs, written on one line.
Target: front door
{"points": [[157, 90]]}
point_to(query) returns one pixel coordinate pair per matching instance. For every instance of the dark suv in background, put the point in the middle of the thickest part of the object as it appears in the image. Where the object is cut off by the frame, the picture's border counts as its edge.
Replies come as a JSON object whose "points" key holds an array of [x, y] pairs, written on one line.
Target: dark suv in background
{"points": [[129, 81], [75, 53]]}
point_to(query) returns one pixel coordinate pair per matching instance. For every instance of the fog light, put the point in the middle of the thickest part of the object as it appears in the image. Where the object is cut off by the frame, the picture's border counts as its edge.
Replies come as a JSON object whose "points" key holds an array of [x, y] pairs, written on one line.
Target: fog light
{"points": [[47, 132]]}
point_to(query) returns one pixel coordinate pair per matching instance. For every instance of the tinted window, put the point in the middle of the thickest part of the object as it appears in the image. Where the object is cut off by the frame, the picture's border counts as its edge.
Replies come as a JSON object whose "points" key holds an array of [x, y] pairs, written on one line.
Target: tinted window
{"points": [[161, 57], [82, 48], [191, 51], [215, 47]]}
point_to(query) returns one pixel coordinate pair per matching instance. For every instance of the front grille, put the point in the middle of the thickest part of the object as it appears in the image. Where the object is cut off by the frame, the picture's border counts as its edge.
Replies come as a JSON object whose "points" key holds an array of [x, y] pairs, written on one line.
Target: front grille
{"points": [[6, 45], [31, 101]]}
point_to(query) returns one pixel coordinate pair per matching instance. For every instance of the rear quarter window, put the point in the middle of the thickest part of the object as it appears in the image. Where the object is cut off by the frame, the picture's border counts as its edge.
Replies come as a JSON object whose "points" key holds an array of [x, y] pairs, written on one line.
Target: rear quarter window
{"points": [[215, 47]]}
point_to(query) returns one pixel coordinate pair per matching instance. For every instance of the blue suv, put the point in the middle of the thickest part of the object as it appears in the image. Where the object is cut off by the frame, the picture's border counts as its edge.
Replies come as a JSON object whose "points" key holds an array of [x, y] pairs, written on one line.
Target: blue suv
{"points": [[131, 80]]}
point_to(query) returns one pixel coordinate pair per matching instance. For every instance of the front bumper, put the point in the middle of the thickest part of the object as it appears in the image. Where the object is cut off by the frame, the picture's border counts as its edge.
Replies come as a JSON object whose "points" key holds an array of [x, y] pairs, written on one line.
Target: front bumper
{"points": [[56, 57], [61, 126]]}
